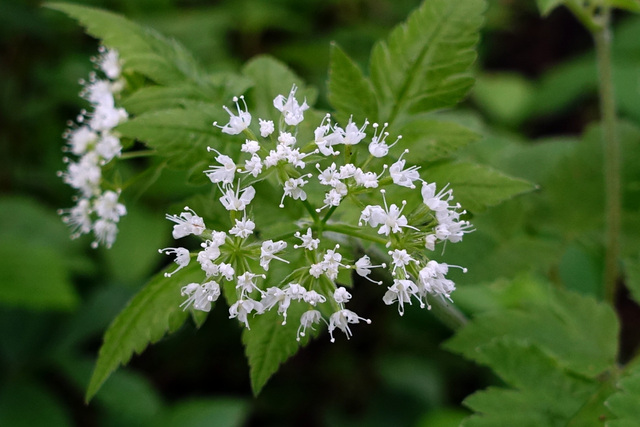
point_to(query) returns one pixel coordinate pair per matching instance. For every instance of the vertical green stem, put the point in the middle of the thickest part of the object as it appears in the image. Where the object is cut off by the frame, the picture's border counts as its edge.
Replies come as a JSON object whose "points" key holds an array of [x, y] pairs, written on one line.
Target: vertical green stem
{"points": [[611, 149]]}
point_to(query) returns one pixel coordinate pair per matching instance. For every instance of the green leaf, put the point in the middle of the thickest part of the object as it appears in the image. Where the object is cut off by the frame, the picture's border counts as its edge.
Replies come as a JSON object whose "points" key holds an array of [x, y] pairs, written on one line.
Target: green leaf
{"points": [[180, 135], [475, 186], [632, 279], [544, 393], [424, 64], [223, 412], [576, 330], [546, 6], [350, 92], [432, 140], [153, 312], [141, 49], [625, 404], [505, 97]]}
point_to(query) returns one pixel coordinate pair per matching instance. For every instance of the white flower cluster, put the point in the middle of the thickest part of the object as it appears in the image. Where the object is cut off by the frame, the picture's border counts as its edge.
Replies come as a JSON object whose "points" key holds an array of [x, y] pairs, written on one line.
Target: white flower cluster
{"points": [[94, 143], [406, 230]]}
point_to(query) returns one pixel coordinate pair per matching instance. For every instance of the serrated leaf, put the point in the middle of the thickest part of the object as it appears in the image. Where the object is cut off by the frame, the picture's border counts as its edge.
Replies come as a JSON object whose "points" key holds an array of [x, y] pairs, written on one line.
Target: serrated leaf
{"points": [[350, 92], [141, 49], [424, 64], [476, 186], [432, 140], [269, 343], [543, 393], [152, 312], [546, 6], [625, 404], [180, 135], [577, 330]]}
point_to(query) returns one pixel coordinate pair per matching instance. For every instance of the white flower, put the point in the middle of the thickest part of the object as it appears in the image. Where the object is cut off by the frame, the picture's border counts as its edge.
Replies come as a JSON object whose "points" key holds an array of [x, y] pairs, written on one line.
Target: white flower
{"points": [[106, 116], [378, 146], [78, 218], [226, 271], [237, 201], [436, 202], [273, 296], [242, 308], [332, 198], [292, 111], [317, 269], [224, 173], [341, 319], [352, 135], [268, 251], [243, 228], [347, 171], [341, 295], [329, 176], [107, 206], [307, 320], [308, 242], [247, 284], [109, 63], [105, 232], [201, 296], [187, 223], [293, 188], [287, 139], [80, 139], [401, 291], [266, 127], [400, 259], [250, 146], [108, 147], [182, 258], [367, 179], [404, 177], [364, 266], [313, 298], [253, 166], [85, 175], [238, 123]]}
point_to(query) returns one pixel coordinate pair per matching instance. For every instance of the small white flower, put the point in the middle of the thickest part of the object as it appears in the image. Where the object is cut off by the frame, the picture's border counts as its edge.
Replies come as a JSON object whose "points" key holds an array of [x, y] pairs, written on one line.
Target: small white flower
{"points": [[242, 308], [81, 139], [201, 296], [187, 223], [182, 258], [400, 259], [78, 218], [238, 123], [436, 202], [364, 266], [243, 228], [287, 139], [308, 242], [329, 176], [341, 295], [226, 271], [223, 173], [106, 116], [313, 298], [378, 146], [266, 127], [253, 166], [347, 171], [404, 177], [105, 232], [108, 147], [84, 175], [401, 291], [237, 201], [317, 269], [341, 320], [352, 134], [292, 111], [107, 206], [293, 188], [109, 63], [268, 250], [307, 320], [247, 284], [250, 146], [430, 242]]}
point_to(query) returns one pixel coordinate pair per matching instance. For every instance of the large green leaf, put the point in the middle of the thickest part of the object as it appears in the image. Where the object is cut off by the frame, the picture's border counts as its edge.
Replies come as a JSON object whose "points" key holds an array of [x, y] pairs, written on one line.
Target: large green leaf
{"points": [[577, 330], [141, 49], [431, 140], [476, 186], [544, 393], [153, 312], [625, 404], [180, 135], [424, 64], [350, 92]]}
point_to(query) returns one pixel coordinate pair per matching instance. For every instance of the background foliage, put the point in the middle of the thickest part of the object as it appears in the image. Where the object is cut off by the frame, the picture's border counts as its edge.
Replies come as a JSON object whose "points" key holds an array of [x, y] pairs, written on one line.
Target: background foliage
{"points": [[535, 262]]}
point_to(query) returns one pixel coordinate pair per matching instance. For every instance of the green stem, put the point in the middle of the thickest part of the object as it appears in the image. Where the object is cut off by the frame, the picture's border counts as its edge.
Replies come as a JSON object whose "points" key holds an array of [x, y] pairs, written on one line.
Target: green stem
{"points": [[312, 212], [611, 149], [348, 231]]}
